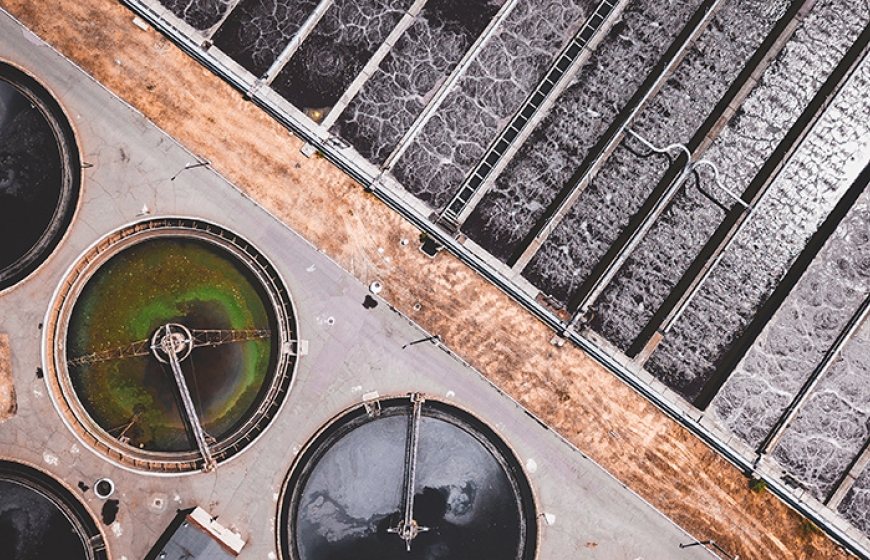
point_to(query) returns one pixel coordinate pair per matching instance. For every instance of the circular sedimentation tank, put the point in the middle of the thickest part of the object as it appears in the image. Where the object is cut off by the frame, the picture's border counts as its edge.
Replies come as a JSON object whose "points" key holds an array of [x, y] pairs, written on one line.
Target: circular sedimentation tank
{"points": [[39, 174], [40, 518], [172, 345], [407, 479]]}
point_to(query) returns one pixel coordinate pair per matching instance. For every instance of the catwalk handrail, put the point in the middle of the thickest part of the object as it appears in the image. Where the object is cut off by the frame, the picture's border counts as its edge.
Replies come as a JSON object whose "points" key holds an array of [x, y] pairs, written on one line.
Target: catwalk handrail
{"points": [[168, 346]]}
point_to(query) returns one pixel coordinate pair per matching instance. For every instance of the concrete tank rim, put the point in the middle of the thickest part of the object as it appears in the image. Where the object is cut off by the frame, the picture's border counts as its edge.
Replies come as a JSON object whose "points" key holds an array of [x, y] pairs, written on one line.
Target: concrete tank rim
{"points": [[40, 255], [318, 439], [50, 331]]}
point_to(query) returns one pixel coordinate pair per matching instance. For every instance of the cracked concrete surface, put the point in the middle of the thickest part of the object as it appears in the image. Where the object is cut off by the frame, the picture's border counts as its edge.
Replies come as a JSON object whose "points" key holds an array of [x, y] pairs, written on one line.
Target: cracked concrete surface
{"points": [[352, 350], [648, 452]]}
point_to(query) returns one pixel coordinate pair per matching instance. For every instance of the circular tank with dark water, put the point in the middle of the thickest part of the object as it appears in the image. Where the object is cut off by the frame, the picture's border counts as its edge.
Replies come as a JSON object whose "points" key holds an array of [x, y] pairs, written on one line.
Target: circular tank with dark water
{"points": [[41, 520], [212, 299], [348, 497], [39, 174]]}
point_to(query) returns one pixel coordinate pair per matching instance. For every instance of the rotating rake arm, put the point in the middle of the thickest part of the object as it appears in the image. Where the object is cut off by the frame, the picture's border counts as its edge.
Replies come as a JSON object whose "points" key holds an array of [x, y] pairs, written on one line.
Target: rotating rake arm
{"points": [[138, 348], [218, 337], [201, 337], [190, 412], [408, 529]]}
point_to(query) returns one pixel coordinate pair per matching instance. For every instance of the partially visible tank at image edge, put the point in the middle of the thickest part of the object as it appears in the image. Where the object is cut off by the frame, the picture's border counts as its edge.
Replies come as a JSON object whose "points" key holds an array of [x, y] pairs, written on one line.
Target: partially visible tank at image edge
{"points": [[31, 177], [33, 528]]}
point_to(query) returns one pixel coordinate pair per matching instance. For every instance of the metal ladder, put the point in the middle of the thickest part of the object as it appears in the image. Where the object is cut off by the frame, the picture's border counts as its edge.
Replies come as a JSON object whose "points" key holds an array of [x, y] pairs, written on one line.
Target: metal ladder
{"points": [[533, 102]]}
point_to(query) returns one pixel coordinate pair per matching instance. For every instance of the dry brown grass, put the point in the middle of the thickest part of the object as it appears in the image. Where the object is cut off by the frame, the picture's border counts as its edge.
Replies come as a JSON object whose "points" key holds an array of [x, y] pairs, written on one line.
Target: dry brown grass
{"points": [[566, 389], [8, 404]]}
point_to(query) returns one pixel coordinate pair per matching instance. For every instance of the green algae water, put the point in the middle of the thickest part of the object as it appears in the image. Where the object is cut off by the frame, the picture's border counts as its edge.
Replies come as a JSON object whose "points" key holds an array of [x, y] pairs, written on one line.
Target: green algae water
{"points": [[170, 280]]}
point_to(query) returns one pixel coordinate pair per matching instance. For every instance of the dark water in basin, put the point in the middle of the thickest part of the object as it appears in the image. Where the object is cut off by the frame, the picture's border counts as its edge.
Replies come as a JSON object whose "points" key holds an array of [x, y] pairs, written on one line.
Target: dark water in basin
{"points": [[33, 528], [354, 492], [335, 52], [30, 174], [493, 87], [256, 31], [200, 14], [408, 78]]}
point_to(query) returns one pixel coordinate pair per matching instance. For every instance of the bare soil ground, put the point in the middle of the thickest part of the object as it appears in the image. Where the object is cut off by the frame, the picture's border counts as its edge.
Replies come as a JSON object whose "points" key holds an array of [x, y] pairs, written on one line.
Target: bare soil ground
{"points": [[7, 388], [605, 419]]}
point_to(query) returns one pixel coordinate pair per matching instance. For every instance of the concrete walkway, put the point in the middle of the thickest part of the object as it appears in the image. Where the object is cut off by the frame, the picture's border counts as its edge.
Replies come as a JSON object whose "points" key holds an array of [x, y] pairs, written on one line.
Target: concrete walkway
{"points": [[352, 351]]}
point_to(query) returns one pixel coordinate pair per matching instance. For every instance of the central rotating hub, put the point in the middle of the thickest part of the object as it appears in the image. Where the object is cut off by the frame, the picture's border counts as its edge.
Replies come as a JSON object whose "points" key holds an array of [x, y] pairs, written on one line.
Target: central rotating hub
{"points": [[172, 338]]}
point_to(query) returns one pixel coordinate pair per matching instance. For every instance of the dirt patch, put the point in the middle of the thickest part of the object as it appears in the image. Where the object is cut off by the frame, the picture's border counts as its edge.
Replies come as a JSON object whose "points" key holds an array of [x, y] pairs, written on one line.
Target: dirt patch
{"points": [[651, 454], [8, 405]]}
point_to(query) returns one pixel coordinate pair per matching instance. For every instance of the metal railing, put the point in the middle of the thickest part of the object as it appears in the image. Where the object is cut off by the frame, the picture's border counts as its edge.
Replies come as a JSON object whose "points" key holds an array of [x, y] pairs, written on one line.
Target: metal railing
{"points": [[371, 180]]}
